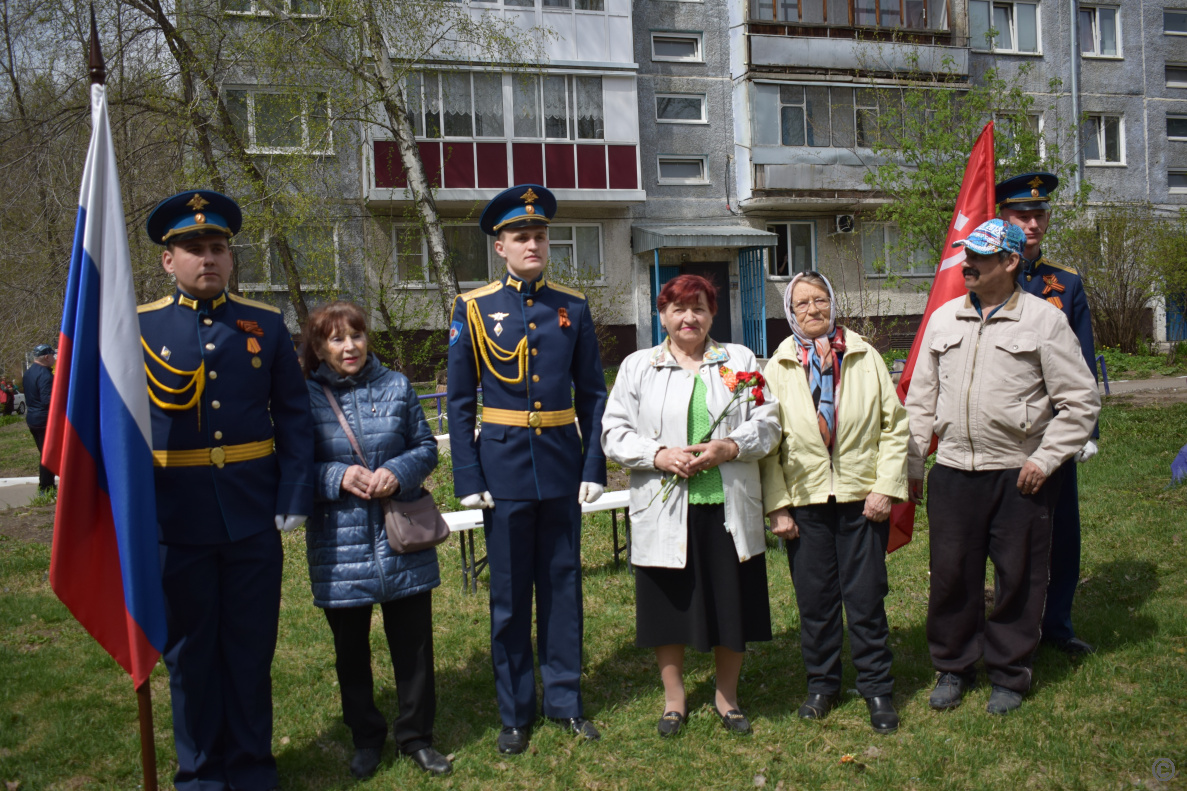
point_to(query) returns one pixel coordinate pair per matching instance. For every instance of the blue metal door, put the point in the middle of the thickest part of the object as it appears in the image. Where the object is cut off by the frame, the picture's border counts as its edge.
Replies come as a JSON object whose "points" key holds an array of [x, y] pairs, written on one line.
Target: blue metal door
{"points": [[1176, 318], [659, 276], [753, 297]]}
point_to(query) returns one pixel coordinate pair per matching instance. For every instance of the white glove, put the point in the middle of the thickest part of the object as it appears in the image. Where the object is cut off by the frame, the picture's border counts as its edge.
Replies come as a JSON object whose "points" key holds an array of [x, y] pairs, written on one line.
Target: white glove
{"points": [[590, 492], [1087, 452], [478, 500], [286, 523]]}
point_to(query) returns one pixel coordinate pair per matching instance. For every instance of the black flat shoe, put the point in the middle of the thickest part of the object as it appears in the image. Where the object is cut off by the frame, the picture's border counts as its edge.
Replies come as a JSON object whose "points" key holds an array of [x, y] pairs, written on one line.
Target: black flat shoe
{"points": [[734, 721], [365, 762], [578, 726], [670, 723], [883, 717], [817, 707], [513, 741], [431, 761]]}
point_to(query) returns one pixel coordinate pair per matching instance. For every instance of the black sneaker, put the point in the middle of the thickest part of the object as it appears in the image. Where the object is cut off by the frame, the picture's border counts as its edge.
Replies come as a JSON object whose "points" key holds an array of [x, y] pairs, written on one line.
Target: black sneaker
{"points": [[1003, 701], [948, 692]]}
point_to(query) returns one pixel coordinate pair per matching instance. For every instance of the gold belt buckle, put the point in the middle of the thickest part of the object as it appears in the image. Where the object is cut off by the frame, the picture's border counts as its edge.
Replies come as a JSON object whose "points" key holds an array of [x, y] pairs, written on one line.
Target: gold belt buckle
{"points": [[534, 419], [218, 456]]}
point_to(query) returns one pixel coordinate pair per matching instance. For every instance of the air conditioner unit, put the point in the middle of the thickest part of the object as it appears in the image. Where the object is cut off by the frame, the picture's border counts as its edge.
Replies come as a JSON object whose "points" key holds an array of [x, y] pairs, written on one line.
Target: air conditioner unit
{"points": [[845, 223]]}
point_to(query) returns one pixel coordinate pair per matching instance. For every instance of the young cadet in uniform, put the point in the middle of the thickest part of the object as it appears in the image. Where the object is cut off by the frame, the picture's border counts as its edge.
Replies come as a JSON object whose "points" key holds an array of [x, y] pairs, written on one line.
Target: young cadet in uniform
{"points": [[233, 454], [1023, 201], [530, 345]]}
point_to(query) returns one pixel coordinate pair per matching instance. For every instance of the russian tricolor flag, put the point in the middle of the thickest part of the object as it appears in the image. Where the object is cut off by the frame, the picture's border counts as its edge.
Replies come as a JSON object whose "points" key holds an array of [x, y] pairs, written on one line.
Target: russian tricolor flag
{"points": [[106, 562]]}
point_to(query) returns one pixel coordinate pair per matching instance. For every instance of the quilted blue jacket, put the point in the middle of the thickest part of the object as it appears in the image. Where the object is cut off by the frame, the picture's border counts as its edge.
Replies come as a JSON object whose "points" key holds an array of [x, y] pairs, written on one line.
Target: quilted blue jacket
{"points": [[350, 562]]}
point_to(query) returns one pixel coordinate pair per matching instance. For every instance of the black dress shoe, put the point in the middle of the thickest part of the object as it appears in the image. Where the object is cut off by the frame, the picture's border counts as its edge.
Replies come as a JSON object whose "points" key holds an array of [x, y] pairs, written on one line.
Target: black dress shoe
{"points": [[365, 761], [883, 717], [734, 721], [1073, 646], [669, 724], [431, 761], [817, 707], [578, 726], [513, 741]]}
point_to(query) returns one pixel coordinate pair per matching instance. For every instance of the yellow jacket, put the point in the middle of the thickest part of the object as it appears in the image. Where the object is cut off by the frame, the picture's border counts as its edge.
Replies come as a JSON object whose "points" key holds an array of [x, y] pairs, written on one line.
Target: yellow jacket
{"points": [[869, 450]]}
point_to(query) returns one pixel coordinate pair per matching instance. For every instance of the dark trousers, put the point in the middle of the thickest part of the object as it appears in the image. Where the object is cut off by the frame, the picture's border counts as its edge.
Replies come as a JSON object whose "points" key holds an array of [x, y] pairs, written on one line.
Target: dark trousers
{"points": [[535, 545], [45, 479], [222, 602], [974, 516], [1065, 557], [840, 557], [408, 624]]}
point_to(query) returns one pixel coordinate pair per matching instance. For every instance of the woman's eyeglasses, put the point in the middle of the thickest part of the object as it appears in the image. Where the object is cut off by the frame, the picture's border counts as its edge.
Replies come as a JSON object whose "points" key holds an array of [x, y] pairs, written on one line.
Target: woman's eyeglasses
{"points": [[802, 307]]}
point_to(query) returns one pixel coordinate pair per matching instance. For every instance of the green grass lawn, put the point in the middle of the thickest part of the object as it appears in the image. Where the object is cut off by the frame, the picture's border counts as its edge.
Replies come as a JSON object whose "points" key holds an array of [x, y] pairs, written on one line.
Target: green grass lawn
{"points": [[68, 715]]}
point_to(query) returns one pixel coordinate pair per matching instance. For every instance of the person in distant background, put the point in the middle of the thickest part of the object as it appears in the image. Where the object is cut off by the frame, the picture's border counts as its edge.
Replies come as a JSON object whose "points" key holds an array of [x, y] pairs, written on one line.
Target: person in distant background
{"points": [[7, 396], [39, 385]]}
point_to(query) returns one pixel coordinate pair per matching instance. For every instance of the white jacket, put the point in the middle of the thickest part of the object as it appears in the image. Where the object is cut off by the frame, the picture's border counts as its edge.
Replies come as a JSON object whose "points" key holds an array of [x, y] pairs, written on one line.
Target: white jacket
{"points": [[648, 410]]}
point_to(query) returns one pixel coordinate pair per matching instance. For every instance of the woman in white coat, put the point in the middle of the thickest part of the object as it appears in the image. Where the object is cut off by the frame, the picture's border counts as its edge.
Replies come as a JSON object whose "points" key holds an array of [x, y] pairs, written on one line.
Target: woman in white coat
{"points": [[700, 568]]}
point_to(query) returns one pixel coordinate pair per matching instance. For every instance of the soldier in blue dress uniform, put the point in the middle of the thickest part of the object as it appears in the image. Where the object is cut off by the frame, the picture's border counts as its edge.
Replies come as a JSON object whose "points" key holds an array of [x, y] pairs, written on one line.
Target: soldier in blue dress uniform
{"points": [[1023, 201], [233, 457], [530, 344]]}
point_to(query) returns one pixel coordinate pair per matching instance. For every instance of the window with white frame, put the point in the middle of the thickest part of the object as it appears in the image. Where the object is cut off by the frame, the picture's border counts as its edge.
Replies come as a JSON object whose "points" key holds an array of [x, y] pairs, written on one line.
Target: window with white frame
{"points": [[277, 122], [456, 104], [1176, 180], [908, 14], [804, 115], [1104, 142], [818, 115], [575, 253], [557, 107], [579, 5], [795, 250], [1015, 26], [315, 254], [882, 255], [298, 8], [681, 47], [1015, 128], [680, 108], [1176, 127], [1174, 22], [675, 169], [1176, 76], [1100, 33]]}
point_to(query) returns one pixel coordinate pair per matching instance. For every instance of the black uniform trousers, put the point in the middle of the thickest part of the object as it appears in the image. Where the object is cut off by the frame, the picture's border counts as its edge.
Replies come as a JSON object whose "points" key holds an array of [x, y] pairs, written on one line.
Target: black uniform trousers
{"points": [[973, 516], [45, 476], [1065, 557], [408, 625], [535, 545], [840, 557], [222, 603]]}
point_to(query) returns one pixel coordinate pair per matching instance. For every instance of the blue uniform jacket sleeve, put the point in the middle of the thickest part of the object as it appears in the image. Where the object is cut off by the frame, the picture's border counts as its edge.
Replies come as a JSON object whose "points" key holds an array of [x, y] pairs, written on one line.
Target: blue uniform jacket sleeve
{"points": [[589, 384], [420, 448], [1081, 321], [293, 427], [462, 404]]}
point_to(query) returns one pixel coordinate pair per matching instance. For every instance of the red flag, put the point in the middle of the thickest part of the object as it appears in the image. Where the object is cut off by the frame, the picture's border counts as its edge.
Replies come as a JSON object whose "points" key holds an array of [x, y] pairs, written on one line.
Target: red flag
{"points": [[974, 205]]}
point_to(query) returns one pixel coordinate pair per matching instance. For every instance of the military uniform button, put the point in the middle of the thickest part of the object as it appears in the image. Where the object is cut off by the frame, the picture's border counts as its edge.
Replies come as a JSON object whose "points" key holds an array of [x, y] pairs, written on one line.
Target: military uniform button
{"points": [[210, 347], [215, 405], [207, 322], [539, 431], [213, 374], [535, 377], [535, 352], [218, 435], [531, 302], [531, 325], [538, 405]]}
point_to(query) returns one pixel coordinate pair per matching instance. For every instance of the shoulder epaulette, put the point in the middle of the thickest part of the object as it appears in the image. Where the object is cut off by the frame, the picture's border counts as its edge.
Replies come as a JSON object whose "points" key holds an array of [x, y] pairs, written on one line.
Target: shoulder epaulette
{"points": [[251, 303], [482, 291], [163, 302], [1071, 270], [572, 292]]}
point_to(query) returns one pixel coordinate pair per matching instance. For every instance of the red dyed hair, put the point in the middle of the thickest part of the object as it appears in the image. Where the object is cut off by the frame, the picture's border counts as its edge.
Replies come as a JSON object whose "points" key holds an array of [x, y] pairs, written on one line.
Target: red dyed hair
{"points": [[683, 290], [323, 322]]}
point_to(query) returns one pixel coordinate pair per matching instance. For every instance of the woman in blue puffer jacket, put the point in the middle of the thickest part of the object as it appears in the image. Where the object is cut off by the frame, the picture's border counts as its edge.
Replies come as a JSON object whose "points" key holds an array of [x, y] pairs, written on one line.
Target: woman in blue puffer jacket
{"points": [[351, 564]]}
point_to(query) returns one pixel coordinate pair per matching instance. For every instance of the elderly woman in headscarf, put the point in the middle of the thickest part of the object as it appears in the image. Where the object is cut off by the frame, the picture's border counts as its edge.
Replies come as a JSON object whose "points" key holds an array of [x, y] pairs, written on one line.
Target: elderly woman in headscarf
{"points": [[828, 491]]}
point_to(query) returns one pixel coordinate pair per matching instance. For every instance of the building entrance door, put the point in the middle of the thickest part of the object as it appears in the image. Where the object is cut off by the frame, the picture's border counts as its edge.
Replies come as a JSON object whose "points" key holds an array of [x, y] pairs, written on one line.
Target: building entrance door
{"points": [[717, 273]]}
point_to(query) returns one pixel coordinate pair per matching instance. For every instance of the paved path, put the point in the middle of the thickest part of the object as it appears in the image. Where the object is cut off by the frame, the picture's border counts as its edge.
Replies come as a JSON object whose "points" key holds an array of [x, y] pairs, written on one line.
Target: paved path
{"points": [[13, 495], [1140, 385]]}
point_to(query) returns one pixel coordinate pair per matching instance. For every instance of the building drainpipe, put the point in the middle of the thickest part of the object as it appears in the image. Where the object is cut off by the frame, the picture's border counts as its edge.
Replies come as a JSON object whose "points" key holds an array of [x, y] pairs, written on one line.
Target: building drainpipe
{"points": [[1078, 142], [655, 333]]}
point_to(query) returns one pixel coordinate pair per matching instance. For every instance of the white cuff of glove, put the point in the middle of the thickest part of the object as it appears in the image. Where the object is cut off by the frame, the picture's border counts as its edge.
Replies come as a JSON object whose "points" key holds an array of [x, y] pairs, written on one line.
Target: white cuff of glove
{"points": [[286, 523], [478, 500], [590, 492], [1087, 452]]}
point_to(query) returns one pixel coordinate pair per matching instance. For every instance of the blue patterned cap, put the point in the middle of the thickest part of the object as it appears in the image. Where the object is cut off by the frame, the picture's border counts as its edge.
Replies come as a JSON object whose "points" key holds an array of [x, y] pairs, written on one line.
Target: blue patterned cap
{"points": [[993, 236]]}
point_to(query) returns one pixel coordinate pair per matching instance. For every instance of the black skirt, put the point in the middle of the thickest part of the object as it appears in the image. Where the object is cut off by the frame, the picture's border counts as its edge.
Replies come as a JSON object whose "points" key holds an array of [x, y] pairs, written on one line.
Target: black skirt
{"points": [[714, 600]]}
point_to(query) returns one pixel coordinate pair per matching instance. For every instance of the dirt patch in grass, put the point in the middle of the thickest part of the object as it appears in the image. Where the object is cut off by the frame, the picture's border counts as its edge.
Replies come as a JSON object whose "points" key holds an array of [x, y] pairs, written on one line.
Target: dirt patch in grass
{"points": [[28, 524], [1141, 398]]}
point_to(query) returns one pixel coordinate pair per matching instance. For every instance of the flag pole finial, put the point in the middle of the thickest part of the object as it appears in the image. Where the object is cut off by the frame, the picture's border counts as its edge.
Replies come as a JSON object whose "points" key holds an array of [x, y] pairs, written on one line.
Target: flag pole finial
{"points": [[97, 67]]}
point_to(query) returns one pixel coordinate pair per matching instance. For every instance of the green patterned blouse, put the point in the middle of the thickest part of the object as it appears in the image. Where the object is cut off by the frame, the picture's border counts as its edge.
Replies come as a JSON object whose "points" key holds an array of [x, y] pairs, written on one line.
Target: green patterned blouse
{"points": [[705, 487]]}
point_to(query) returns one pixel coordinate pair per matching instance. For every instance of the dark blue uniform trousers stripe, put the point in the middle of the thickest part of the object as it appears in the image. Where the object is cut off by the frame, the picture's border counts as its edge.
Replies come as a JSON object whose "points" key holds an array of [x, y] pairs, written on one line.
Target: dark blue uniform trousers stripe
{"points": [[1065, 557], [223, 606], [535, 544]]}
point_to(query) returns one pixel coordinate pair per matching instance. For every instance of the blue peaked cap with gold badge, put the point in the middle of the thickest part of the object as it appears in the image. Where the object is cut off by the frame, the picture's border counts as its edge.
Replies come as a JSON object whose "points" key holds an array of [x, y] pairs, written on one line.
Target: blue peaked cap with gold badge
{"points": [[1028, 192], [520, 206], [193, 213]]}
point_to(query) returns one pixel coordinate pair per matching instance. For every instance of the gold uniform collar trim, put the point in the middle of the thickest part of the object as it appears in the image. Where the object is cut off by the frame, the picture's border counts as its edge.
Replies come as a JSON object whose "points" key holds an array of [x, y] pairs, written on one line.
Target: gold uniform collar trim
{"points": [[520, 285], [193, 304]]}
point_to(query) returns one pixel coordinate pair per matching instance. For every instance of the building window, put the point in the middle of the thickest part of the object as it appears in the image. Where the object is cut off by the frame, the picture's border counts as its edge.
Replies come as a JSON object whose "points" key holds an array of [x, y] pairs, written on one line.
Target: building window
{"points": [[1014, 129], [1016, 26], [557, 107], [1103, 140], [794, 252], [1176, 180], [1176, 127], [909, 14], [1174, 22], [1176, 76], [680, 108], [682, 169], [575, 253], [882, 256], [682, 47], [814, 115], [315, 253], [281, 122], [470, 252], [456, 104], [1099, 34], [307, 8]]}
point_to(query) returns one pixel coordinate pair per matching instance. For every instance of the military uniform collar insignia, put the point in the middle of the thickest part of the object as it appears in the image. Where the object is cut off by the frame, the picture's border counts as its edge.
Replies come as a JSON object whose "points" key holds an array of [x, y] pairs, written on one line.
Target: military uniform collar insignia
{"points": [[522, 286], [197, 304]]}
